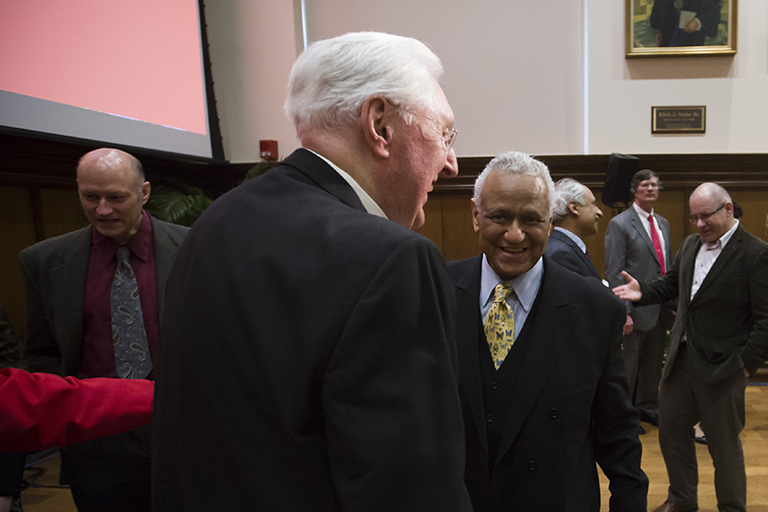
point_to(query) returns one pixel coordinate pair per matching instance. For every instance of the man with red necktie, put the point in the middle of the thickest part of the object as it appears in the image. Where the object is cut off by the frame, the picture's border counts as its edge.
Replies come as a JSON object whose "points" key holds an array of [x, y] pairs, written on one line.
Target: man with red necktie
{"points": [[639, 239]]}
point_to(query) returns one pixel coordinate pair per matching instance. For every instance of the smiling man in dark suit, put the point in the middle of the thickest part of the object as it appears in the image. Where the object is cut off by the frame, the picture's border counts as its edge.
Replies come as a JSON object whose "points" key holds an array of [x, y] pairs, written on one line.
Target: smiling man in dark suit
{"points": [[308, 359], [544, 396], [575, 218], [720, 338]]}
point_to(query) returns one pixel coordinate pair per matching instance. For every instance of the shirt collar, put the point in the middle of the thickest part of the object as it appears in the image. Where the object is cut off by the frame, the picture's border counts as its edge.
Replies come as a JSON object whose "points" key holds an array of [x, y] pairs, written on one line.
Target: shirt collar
{"points": [[573, 236], [140, 244], [723, 240], [526, 286], [368, 203], [642, 213]]}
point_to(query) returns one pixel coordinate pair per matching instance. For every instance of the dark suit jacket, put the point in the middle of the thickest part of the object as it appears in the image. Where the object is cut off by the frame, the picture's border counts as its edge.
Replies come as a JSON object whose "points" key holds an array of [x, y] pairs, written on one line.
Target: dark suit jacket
{"points": [[569, 409], [664, 17], [307, 358], [55, 271], [564, 251], [726, 322], [629, 247]]}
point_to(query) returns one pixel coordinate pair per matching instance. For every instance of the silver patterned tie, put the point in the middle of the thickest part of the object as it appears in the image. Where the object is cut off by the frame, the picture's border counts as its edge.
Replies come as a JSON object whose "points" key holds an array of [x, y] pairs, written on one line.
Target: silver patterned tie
{"points": [[129, 337]]}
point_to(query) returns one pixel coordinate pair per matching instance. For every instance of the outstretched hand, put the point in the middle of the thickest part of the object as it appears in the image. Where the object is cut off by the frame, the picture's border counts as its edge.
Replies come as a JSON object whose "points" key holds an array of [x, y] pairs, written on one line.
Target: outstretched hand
{"points": [[629, 291]]}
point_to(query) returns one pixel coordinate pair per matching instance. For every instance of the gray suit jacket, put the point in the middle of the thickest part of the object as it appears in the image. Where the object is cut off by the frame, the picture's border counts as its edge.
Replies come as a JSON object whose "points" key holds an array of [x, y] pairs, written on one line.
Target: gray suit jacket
{"points": [[628, 247], [726, 322], [54, 275]]}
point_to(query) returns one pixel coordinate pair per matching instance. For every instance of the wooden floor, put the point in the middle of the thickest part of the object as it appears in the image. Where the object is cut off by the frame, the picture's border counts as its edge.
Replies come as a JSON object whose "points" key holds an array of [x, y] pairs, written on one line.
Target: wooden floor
{"points": [[754, 439]]}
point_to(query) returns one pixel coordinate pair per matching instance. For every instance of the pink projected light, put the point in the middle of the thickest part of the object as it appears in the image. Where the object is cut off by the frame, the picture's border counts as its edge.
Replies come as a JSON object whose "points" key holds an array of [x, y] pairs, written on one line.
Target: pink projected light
{"points": [[138, 59]]}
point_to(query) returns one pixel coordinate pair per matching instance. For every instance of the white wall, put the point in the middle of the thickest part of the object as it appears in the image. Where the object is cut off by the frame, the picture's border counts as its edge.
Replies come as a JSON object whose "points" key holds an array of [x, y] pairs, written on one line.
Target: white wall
{"points": [[514, 74], [510, 85], [622, 91], [252, 49]]}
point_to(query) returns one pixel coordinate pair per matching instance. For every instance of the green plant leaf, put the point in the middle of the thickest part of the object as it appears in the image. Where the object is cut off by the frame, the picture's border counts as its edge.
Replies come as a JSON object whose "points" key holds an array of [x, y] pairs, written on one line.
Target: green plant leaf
{"points": [[177, 205]]}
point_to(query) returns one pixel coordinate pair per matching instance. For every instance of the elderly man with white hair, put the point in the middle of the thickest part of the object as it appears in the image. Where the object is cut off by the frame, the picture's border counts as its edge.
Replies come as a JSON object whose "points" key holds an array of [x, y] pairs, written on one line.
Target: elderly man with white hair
{"points": [[308, 360]]}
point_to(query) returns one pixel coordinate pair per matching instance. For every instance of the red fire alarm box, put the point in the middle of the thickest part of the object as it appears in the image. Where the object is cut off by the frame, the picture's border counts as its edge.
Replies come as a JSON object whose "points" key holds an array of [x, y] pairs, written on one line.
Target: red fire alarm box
{"points": [[268, 149]]}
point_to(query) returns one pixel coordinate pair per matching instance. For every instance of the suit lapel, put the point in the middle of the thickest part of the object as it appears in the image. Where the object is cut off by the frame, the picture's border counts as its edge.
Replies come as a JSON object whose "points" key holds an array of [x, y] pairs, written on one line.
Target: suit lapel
{"points": [[467, 341], [687, 269], [68, 287], [637, 224], [316, 169], [551, 330], [729, 251], [165, 247], [667, 243]]}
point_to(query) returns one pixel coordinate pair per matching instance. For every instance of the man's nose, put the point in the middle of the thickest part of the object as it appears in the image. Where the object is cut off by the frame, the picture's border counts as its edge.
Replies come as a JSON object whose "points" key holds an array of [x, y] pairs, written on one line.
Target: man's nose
{"points": [[513, 233], [103, 208], [451, 169]]}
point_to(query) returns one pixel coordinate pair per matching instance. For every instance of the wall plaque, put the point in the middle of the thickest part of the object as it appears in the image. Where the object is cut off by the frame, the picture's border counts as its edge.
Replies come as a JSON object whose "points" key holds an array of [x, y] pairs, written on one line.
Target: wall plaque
{"points": [[679, 119]]}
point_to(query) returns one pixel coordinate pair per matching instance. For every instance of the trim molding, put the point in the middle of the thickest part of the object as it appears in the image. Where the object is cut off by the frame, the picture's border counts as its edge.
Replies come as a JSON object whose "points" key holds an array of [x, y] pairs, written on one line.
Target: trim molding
{"points": [[732, 170]]}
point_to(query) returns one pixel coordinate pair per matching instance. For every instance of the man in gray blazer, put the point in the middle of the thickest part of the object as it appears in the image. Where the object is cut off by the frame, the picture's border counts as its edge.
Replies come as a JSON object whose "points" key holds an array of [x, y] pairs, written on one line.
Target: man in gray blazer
{"points": [[720, 338], [637, 240], [69, 289]]}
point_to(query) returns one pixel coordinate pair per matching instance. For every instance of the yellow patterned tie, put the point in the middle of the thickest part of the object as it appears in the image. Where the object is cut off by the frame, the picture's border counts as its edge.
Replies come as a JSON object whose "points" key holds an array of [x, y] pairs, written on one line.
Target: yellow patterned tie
{"points": [[500, 324]]}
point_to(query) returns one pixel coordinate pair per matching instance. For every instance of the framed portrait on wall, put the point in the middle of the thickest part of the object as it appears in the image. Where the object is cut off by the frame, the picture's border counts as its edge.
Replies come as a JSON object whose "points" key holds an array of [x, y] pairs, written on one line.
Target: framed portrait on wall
{"points": [[680, 27]]}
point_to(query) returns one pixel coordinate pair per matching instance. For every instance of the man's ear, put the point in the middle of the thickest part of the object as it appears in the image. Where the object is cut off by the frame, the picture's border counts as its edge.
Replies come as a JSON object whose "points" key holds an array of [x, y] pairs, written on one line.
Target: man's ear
{"points": [[476, 216], [375, 119], [145, 189], [573, 208]]}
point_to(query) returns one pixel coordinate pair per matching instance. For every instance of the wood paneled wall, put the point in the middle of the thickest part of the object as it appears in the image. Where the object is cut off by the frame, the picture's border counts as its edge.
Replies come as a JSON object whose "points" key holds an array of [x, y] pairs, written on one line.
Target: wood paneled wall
{"points": [[449, 217], [38, 197]]}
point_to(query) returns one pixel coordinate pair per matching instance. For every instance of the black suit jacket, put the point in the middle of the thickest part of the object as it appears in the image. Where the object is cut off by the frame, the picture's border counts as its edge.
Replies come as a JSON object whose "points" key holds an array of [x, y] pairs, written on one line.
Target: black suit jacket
{"points": [[664, 17], [564, 251], [55, 271], [569, 407], [307, 358], [726, 322]]}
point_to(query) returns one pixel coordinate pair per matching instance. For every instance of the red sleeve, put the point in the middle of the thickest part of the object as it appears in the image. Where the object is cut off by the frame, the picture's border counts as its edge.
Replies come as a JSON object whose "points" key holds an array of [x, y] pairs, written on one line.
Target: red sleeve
{"points": [[39, 410]]}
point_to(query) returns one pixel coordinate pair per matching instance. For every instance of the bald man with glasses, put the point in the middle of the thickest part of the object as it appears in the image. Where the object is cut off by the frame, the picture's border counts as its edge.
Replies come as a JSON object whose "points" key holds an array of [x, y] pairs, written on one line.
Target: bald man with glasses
{"points": [[720, 338]]}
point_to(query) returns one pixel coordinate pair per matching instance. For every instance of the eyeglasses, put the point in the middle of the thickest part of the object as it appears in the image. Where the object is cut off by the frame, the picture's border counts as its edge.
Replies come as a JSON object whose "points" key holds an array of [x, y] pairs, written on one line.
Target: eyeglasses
{"points": [[449, 135], [705, 216]]}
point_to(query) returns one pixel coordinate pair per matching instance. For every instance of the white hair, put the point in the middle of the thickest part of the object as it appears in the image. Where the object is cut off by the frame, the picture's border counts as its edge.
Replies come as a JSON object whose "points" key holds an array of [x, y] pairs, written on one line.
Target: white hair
{"points": [[332, 78], [566, 190], [514, 162]]}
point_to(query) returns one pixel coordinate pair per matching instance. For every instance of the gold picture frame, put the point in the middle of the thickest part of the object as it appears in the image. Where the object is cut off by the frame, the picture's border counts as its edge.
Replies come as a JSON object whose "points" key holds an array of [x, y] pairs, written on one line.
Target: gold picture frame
{"points": [[660, 28]]}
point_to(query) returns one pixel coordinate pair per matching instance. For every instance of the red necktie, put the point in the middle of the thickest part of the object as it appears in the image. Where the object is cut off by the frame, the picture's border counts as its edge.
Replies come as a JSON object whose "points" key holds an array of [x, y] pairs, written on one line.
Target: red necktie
{"points": [[656, 243]]}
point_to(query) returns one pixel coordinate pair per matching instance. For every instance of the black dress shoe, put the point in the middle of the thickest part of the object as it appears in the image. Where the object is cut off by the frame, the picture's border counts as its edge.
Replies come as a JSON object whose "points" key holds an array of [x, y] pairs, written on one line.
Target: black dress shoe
{"points": [[674, 507], [650, 417], [700, 439]]}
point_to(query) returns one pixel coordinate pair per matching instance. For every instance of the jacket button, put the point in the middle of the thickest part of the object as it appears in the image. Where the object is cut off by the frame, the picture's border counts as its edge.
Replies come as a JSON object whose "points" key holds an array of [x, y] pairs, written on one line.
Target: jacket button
{"points": [[532, 465], [553, 413], [489, 418], [494, 385]]}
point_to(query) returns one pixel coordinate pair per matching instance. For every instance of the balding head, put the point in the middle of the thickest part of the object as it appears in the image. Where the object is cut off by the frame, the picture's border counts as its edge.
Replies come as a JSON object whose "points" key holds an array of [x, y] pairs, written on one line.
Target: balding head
{"points": [[112, 192], [711, 211], [112, 158]]}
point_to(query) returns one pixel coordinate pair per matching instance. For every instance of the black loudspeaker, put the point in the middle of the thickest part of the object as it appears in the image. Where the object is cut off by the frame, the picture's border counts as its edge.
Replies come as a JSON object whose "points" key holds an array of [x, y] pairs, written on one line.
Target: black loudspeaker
{"points": [[618, 179]]}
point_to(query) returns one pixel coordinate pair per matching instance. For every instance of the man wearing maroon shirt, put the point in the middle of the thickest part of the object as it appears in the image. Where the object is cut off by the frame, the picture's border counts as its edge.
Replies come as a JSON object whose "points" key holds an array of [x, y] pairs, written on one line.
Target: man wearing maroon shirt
{"points": [[69, 315]]}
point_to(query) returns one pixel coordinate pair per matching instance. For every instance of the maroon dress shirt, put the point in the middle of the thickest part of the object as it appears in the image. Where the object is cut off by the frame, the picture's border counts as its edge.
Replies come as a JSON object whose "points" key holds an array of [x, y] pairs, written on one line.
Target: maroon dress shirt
{"points": [[98, 356]]}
